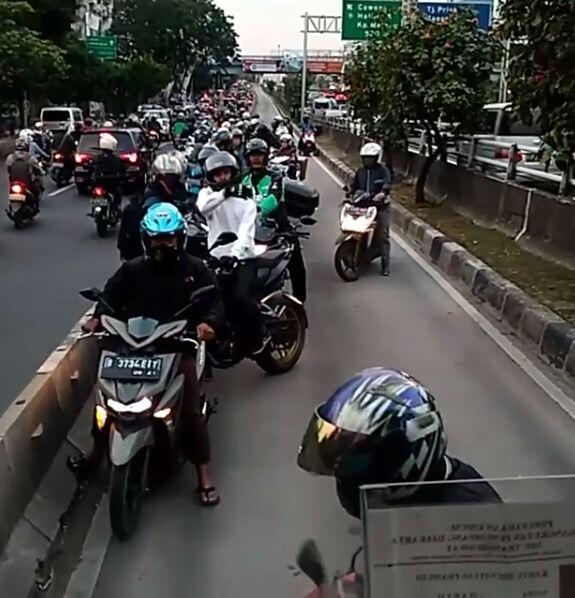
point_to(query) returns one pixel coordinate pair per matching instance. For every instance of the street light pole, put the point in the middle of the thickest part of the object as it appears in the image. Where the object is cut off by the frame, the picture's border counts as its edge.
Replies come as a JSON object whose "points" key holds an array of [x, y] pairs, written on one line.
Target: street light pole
{"points": [[304, 66]]}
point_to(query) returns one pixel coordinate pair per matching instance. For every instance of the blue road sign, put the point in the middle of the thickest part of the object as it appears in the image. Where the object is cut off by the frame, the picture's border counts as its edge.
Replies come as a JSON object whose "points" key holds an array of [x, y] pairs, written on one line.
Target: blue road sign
{"points": [[438, 11]]}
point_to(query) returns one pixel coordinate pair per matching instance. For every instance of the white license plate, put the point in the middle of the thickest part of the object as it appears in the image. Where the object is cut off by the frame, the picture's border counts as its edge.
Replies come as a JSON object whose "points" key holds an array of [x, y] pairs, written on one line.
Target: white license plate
{"points": [[17, 197], [100, 202]]}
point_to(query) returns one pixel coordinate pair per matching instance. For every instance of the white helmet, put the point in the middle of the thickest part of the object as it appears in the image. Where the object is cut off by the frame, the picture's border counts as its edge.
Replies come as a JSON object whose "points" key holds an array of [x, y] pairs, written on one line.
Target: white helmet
{"points": [[181, 157], [108, 142], [286, 137], [26, 135], [108, 124], [255, 122], [246, 116], [371, 150], [168, 164], [38, 125], [226, 125]]}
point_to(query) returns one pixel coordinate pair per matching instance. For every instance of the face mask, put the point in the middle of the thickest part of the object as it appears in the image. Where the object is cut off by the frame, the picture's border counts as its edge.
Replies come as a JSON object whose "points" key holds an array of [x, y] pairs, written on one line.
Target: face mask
{"points": [[163, 255]]}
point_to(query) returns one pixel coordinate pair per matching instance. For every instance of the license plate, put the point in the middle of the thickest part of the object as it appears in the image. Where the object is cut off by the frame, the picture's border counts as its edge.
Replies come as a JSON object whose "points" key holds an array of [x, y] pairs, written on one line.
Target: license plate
{"points": [[99, 202], [357, 212], [17, 197], [132, 368]]}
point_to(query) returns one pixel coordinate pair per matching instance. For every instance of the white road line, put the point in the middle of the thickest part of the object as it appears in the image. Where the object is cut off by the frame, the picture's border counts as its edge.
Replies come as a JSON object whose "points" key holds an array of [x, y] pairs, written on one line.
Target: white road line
{"points": [[546, 384], [60, 191]]}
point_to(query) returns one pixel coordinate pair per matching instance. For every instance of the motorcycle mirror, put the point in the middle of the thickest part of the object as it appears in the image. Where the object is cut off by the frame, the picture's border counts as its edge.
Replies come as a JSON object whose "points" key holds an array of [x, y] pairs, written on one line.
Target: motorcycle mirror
{"points": [[310, 561], [224, 239], [92, 294], [308, 220], [196, 296]]}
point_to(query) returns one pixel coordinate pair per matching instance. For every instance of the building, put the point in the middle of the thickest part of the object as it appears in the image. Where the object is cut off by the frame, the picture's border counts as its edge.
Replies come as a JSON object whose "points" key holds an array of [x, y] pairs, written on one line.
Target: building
{"points": [[93, 17]]}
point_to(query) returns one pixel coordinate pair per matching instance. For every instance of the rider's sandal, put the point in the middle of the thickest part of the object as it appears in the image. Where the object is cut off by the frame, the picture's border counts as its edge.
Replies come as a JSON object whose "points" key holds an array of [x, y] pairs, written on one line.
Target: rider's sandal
{"points": [[206, 496]]}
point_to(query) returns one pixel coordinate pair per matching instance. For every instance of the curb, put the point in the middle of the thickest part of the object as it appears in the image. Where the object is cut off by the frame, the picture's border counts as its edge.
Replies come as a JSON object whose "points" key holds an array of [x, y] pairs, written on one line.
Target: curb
{"points": [[552, 338], [35, 487]]}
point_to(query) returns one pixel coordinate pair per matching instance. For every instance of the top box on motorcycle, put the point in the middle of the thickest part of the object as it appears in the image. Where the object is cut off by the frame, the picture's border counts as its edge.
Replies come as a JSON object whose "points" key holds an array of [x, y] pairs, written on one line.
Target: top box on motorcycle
{"points": [[301, 200]]}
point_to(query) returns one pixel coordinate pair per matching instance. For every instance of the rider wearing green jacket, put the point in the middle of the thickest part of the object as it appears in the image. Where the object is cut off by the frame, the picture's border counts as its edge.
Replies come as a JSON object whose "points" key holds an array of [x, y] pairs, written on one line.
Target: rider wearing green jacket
{"points": [[266, 188]]}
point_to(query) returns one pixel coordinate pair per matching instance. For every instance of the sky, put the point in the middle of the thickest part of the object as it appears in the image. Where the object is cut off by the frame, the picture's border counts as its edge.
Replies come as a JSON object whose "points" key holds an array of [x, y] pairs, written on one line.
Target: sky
{"points": [[263, 25]]}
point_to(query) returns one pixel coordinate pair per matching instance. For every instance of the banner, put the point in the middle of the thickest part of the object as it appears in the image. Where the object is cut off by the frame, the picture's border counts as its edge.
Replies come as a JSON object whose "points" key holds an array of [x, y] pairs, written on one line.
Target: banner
{"points": [[292, 65]]}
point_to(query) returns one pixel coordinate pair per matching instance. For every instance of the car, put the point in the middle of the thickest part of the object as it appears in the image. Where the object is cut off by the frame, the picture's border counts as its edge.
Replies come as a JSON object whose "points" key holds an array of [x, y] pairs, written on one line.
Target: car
{"points": [[60, 119], [131, 149]]}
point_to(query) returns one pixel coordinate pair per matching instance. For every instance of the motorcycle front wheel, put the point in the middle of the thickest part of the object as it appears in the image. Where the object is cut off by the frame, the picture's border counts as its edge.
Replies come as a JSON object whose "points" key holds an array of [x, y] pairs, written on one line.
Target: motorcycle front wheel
{"points": [[127, 489], [346, 262], [288, 332]]}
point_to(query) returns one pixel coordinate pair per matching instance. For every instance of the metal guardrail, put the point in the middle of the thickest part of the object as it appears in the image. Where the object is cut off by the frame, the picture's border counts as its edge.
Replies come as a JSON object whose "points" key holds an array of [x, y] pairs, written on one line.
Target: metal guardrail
{"points": [[481, 153]]}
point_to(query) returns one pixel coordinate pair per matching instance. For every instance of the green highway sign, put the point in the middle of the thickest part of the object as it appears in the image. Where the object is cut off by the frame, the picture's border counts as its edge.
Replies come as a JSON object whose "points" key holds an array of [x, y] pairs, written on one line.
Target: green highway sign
{"points": [[104, 47], [360, 17]]}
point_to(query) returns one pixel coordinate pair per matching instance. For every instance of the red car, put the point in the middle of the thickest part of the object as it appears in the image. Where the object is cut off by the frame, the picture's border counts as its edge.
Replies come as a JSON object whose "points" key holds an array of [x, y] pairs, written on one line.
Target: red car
{"points": [[131, 149]]}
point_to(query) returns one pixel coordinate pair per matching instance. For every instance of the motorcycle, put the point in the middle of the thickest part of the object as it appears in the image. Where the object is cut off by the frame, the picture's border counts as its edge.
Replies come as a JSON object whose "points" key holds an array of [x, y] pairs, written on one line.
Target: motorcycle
{"points": [[60, 172], [357, 242], [308, 145], [286, 165], [283, 315], [138, 404], [103, 210], [23, 205]]}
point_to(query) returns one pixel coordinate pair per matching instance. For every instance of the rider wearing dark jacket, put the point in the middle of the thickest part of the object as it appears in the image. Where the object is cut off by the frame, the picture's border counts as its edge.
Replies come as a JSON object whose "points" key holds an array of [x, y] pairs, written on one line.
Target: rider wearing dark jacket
{"points": [[371, 419], [365, 178], [265, 187], [159, 286]]}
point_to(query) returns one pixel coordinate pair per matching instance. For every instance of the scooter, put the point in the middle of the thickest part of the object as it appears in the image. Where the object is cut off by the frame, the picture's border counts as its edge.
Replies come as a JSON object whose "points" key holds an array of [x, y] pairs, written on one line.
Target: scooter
{"points": [[103, 210], [22, 204], [356, 244], [308, 145], [139, 400], [60, 172]]}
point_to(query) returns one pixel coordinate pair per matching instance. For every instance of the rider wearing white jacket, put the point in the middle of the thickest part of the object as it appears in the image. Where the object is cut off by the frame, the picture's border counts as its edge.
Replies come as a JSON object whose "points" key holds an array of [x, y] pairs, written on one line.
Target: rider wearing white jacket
{"points": [[227, 212]]}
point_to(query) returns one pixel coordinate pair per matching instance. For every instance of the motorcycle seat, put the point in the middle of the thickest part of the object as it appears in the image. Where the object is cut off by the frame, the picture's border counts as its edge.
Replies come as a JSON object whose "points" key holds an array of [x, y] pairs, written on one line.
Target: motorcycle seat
{"points": [[270, 258]]}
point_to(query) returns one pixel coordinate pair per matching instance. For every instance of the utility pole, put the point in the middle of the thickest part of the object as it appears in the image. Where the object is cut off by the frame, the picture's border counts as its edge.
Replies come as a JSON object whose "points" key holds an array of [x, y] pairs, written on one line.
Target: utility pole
{"points": [[304, 66]]}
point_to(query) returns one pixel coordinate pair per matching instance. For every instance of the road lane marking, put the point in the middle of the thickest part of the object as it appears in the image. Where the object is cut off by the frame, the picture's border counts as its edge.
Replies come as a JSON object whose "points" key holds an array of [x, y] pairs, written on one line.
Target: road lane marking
{"points": [[60, 191], [515, 353]]}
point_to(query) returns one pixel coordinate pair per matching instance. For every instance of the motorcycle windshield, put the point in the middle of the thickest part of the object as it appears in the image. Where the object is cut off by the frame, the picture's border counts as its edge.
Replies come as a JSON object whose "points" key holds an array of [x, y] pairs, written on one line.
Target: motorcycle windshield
{"points": [[142, 327]]}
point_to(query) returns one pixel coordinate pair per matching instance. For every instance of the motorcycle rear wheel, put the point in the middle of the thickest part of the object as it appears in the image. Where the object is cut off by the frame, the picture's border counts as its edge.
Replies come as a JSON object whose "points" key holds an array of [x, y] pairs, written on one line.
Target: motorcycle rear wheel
{"points": [[127, 489], [345, 262], [101, 228], [281, 357]]}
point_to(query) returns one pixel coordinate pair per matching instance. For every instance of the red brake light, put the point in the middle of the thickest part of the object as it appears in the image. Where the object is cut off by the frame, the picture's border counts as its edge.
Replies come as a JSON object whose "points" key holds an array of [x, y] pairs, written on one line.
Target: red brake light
{"points": [[130, 157], [79, 158], [17, 188], [99, 191], [58, 156]]}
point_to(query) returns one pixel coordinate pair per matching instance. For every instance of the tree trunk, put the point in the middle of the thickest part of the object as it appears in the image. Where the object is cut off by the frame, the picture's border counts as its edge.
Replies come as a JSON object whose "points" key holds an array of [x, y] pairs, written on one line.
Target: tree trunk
{"points": [[422, 177]]}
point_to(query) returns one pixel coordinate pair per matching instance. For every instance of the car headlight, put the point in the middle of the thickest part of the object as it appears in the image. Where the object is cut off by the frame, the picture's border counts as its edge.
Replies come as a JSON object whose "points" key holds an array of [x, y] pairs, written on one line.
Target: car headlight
{"points": [[140, 406]]}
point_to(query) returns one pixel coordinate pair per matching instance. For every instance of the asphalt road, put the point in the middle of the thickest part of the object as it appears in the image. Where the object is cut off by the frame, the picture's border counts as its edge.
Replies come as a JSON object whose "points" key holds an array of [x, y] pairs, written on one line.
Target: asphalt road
{"points": [[497, 419], [41, 270]]}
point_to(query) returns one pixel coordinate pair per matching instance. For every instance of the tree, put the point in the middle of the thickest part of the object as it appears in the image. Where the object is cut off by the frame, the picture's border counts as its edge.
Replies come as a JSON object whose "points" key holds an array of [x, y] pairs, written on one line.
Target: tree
{"points": [[52, 19], [419, 73], [178, 33], [541, 67], [27, 62]]}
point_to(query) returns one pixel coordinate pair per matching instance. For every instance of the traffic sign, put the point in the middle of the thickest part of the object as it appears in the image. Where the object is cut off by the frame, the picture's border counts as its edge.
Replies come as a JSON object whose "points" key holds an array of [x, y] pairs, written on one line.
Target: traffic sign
{"points": [[438, 11], [360, 17], [104, 47]]}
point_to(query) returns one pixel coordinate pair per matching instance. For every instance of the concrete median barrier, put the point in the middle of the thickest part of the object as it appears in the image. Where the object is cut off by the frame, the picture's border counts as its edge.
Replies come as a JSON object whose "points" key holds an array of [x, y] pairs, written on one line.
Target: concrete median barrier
{"points": [[32, 431]]}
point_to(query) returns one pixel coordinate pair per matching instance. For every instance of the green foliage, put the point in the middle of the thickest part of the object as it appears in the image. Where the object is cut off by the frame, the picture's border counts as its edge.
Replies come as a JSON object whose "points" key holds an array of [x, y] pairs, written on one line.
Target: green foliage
{"points": [[541, 65], [27, 62], [178, 33], [419, 73], [53, 19]]}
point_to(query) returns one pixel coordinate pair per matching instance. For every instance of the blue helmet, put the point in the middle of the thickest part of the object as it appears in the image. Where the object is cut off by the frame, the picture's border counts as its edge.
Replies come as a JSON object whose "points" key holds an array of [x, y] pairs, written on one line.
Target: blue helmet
{"points": [[380, 427], [162, 219]]}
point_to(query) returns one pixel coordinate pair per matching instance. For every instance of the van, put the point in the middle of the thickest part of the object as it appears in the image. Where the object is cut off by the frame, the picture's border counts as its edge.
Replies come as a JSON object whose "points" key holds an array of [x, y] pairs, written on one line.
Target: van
{"points": [[60, 118], [327, 107]]}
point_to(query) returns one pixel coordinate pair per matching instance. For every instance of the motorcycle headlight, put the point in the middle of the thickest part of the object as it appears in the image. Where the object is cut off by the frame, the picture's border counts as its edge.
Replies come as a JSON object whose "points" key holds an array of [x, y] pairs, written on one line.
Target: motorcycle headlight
{"points": [[140, 406]]}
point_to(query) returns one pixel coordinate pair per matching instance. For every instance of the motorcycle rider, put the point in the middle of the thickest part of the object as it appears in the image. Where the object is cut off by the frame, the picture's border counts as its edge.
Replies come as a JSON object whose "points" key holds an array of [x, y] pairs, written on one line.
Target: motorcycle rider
{"points": [[306, 125], [238, 148], [222, 139], [226, 211], [383, 427], [157, 286], [109, 169], [179, 126], [364, 180], [34, 149], [25, 168], [167, 186], [68, 146], [265, 187]]}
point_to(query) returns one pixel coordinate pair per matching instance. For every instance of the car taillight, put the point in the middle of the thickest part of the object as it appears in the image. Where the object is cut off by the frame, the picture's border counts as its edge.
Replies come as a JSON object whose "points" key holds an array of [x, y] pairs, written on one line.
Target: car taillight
{"points": [[130, 157], [17, 188], [81, 158], [99, 191], [58, 157]]}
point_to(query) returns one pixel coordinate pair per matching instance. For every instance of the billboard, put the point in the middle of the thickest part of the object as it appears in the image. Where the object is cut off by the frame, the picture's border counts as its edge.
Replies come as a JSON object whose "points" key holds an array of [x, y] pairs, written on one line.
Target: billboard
{"points": [[292, 65]]}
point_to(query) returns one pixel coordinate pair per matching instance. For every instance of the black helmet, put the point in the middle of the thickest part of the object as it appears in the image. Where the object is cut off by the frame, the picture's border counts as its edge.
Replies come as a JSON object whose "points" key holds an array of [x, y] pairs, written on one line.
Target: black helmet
{"points": [[222, 139], [206, 151], [216, 162], [257, 146], [380, 427]]}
